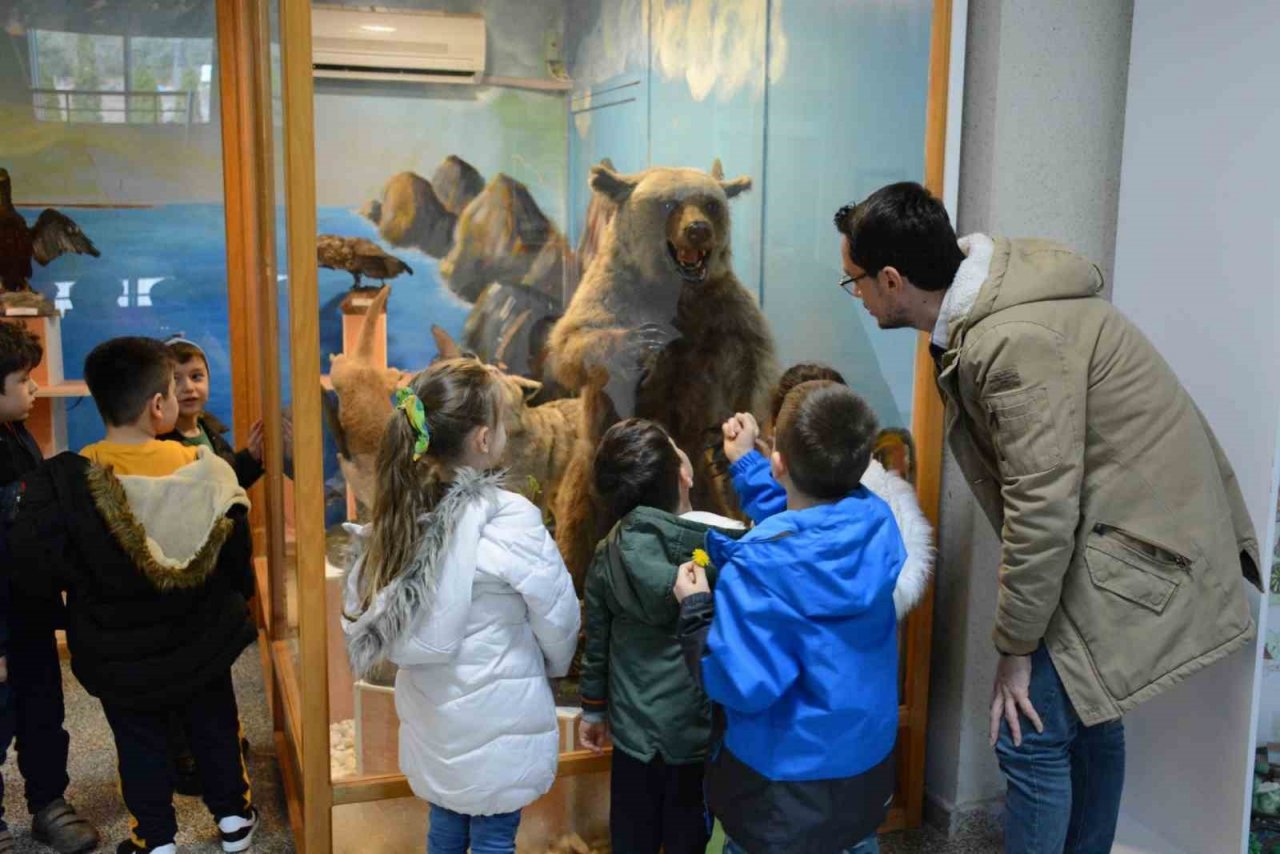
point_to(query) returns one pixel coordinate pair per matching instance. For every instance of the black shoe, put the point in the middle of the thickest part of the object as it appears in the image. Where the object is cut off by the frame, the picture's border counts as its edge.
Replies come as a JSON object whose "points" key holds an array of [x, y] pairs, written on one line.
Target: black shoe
{"points": [[237, 831], [187, 777]]}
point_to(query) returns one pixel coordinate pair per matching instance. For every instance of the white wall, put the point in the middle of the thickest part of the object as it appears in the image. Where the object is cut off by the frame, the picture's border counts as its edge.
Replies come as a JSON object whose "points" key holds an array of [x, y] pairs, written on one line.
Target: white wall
{"points": [[1198, 268], [1044, 95]]}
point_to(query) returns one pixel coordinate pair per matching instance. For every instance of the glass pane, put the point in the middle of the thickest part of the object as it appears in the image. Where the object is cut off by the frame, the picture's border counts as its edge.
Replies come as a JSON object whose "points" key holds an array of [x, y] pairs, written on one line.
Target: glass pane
{"points": [[285, 580], [150, 202], [466, 187]]}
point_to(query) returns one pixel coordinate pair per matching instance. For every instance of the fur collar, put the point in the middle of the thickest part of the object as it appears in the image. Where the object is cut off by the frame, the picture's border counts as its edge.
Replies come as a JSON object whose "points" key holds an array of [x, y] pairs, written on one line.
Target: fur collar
{"points": [[964, 290], [390, 618], [172, 528]]}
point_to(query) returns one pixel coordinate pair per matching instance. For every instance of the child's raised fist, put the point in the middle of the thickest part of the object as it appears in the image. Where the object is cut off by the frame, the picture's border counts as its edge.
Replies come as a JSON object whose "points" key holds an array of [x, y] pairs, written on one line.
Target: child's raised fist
{"points": [[740, 435]]}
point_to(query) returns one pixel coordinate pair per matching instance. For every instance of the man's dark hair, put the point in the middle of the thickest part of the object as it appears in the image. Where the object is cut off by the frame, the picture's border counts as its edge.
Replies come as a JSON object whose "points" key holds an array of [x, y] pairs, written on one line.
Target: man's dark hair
{"points": [[124, 374], [795, 375], [825, 435], [905, 227], [20, 350], [636, 465]]}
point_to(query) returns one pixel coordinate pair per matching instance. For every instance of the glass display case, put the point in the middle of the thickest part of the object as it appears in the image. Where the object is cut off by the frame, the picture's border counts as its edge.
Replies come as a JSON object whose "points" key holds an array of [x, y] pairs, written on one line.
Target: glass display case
{"points": [[246, 188], [493, 246]]}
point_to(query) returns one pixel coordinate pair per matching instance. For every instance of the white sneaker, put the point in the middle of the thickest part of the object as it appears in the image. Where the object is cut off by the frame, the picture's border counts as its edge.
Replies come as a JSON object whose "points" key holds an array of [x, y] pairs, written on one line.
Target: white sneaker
{"points": [[237, 832]]}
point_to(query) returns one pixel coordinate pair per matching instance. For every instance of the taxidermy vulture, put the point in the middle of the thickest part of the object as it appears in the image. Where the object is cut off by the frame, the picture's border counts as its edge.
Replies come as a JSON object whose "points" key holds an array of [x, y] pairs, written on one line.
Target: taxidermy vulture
{"points": [[359, 257], [54, 234]]}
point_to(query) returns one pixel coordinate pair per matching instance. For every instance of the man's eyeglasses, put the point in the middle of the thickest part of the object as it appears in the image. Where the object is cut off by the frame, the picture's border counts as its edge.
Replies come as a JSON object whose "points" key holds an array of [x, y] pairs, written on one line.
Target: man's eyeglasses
{"points": [[850, 283]]}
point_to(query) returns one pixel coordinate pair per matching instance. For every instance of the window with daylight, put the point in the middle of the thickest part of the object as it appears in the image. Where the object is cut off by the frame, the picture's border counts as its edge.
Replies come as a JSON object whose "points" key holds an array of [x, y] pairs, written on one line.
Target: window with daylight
{"points": [[110, 79]]}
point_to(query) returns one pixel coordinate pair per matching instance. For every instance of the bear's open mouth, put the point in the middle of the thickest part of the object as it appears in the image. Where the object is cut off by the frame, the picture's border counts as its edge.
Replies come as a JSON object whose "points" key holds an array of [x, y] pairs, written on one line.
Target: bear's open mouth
{"points": [[690, 263]]}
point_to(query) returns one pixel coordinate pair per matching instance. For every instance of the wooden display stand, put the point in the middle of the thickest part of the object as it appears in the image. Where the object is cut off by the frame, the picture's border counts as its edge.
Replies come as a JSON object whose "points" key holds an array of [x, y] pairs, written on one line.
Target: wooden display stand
{"points": [[48, 421]]}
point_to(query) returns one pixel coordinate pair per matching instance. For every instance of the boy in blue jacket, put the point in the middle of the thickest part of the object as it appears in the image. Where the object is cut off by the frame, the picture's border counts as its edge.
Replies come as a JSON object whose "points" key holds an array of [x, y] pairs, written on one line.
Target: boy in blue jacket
{"points": [[798, 648]]}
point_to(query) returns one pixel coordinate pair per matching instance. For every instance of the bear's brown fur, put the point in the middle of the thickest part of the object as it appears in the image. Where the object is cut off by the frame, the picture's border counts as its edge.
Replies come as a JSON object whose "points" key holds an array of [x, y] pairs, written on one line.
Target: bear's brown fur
{"points": [[660, 327]]}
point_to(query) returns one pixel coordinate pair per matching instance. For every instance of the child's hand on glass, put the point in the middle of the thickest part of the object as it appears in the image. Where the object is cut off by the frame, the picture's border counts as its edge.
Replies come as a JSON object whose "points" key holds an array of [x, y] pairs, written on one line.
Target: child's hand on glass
{"points": [[690, 579], [740, 435], [592, 735]]}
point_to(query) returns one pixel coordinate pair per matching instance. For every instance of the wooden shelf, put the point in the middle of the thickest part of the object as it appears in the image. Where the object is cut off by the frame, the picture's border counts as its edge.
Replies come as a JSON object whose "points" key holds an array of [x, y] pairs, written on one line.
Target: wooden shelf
{"points": [[67, 388]]}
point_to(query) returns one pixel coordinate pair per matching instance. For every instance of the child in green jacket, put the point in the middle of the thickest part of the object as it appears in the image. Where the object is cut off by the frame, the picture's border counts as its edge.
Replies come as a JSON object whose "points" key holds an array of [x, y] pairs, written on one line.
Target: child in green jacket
{"points": [[635, 685]]}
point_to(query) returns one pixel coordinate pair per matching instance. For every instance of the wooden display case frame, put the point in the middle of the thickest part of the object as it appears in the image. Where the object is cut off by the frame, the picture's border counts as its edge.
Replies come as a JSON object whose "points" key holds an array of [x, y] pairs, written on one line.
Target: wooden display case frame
{"points": [[288, 517]]}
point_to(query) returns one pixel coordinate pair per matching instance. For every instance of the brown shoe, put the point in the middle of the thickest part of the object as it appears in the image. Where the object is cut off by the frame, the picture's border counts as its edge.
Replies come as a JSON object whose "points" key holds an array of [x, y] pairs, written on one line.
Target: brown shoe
{"points": [[59, 827]]}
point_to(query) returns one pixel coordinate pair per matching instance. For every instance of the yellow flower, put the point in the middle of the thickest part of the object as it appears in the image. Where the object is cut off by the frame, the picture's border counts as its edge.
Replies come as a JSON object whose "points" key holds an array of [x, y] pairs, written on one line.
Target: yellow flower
{"points": [[701, 558]]}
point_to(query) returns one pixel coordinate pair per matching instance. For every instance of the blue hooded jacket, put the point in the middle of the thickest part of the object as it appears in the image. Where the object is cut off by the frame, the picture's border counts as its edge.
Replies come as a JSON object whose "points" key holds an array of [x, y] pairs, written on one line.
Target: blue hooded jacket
{"points": [[758, 493], [803, 649]]}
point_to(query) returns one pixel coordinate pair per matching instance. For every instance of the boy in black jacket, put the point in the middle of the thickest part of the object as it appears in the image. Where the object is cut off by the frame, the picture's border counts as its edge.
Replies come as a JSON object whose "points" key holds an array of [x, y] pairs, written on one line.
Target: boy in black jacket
{"points": [[32, 705], [149, 539]]}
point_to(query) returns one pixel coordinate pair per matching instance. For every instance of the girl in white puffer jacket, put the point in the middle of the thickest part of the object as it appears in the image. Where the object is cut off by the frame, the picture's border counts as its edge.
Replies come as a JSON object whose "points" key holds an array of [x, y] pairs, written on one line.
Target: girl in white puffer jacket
{"points": [[461, 586]]}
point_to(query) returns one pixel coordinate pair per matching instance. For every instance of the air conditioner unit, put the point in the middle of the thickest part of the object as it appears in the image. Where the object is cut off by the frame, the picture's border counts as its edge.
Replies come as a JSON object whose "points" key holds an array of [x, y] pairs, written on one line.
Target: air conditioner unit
{"points": [[371, 43]]}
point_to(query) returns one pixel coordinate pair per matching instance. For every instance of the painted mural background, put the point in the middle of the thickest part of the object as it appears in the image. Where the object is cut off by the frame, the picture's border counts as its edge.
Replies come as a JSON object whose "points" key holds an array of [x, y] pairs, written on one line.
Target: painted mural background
{"points": [[820, 102]]}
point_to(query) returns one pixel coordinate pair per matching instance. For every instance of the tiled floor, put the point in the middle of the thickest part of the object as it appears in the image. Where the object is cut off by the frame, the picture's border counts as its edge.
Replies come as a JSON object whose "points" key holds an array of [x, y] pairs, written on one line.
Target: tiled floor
{"points": [[94, 785]]}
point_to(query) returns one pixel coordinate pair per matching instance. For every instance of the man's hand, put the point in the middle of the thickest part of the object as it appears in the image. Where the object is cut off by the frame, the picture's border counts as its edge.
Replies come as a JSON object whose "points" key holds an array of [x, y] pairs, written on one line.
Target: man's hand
{"points": [[592, 736], [4, 668], [741, 433], [1011, 695], [690, 579]]}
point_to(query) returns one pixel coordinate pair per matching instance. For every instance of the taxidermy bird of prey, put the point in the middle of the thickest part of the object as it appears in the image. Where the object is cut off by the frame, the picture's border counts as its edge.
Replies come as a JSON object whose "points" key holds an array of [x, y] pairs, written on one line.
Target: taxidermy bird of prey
{"points": [[359, 257], [54, 234]]}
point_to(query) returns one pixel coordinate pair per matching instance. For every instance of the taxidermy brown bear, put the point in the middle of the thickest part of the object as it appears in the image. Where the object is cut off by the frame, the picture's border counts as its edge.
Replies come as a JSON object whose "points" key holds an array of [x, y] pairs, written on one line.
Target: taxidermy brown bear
{"points": [[661, 328]]}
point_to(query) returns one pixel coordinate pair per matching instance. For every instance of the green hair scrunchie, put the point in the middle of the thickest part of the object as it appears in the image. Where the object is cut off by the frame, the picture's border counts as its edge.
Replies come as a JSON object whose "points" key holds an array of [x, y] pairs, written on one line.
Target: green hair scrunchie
{"points": [[411, 405]]}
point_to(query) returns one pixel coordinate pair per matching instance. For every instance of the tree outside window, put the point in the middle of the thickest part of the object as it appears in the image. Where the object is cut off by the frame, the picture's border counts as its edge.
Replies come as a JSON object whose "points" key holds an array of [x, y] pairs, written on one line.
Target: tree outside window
{"points": [[159, 80]]}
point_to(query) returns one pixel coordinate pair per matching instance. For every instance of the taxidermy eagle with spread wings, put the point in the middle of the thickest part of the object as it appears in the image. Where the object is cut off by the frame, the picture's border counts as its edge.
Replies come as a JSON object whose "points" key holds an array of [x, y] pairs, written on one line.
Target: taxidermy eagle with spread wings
{"points": [[53, 234]]}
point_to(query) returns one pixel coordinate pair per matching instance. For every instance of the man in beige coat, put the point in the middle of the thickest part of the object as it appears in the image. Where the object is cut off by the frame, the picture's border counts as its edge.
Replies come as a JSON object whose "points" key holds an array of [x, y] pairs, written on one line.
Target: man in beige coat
{"points": [[1124, 536]]}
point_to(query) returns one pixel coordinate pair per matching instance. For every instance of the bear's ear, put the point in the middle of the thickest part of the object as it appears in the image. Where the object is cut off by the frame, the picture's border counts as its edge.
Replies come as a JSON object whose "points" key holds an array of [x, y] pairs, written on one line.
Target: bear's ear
{"points": [[608, 164], [610, 184], [717, 170], [736, 187]]}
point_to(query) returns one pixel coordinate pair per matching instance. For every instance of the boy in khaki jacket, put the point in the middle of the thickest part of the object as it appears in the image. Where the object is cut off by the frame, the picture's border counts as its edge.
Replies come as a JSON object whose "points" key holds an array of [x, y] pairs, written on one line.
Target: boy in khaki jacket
{"points": [[1124, 533]]}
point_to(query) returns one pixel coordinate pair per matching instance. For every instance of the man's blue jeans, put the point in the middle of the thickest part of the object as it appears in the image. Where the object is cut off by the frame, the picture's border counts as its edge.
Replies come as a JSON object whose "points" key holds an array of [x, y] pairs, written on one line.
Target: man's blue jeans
{"points": [[454, 833], [1064, 783], [870, 845]]}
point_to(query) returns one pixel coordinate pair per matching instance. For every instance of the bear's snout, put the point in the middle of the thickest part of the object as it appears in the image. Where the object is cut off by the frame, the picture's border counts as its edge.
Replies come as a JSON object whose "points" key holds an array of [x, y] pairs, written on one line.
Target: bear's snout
{"points": [[698, 232]]}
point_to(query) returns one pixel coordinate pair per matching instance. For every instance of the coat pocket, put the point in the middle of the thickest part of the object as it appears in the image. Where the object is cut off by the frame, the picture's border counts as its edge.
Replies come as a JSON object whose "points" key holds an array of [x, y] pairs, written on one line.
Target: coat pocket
{"points": [[1023, 431], [1134, 569]]}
